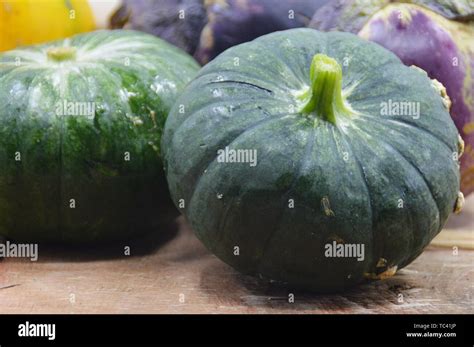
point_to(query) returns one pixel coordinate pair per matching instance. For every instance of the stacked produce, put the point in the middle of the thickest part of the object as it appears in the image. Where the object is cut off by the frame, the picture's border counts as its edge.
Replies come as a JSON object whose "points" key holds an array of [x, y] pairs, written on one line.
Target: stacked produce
{"points": [[205, 28], [310, 159]]}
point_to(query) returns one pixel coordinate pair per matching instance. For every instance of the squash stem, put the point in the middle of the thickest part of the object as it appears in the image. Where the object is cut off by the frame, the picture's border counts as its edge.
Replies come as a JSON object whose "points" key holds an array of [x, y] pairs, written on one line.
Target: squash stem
{"points": [[61, 53], [326, 89]]}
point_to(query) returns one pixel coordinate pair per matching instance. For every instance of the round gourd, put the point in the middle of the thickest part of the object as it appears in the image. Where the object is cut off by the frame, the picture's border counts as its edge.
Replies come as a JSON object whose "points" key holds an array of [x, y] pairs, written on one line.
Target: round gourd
{"points": [[435, 35], [80, 130], [25, 22], [291, 162]]}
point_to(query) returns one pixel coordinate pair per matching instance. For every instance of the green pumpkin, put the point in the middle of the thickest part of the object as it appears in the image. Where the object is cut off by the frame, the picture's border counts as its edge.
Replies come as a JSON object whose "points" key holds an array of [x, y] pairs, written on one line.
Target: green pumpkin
{"points": [[80, 130], [334, 173]]}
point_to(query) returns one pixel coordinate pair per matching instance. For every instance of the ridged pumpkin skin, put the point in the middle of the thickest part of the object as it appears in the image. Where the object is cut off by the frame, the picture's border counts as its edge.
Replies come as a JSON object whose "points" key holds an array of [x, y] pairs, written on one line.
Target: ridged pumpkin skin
{"points": [[26, 22], [435, 35], [68, 175], [385, 182]]}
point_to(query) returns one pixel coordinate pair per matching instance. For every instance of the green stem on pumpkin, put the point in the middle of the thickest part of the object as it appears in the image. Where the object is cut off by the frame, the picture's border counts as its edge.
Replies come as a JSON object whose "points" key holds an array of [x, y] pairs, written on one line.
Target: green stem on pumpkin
{"points": [[326, 89], [61, 53]]}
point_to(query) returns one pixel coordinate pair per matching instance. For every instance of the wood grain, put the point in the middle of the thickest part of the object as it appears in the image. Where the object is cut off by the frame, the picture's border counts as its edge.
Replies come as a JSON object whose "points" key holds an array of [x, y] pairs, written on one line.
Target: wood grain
{"points": [[178, 275]]}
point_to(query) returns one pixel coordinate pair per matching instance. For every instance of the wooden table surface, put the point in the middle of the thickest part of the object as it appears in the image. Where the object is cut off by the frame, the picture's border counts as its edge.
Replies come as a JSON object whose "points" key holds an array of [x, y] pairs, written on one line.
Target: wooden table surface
{"points": [[176, 274]]}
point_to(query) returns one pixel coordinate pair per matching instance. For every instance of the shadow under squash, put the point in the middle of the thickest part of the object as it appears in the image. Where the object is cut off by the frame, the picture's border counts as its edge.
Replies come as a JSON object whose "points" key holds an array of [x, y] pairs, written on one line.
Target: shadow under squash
{"points": [[143, 244], [226, 285]]}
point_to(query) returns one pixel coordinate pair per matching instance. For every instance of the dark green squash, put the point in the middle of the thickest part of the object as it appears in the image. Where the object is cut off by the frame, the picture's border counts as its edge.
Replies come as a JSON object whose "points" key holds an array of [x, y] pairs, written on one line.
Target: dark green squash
{"points": [[332, 168], [80, 130]]}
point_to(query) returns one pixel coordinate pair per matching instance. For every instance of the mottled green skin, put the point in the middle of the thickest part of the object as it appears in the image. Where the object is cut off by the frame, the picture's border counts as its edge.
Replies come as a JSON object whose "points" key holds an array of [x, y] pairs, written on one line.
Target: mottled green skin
{"points": [[132, 78], [302, 158]]}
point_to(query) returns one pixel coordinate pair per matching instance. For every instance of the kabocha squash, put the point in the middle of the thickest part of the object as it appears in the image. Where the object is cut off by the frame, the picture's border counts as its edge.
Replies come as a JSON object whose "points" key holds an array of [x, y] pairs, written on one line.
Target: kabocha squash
{"points": [[25, 22], [313, 159], [80, 130], [435, 35]]}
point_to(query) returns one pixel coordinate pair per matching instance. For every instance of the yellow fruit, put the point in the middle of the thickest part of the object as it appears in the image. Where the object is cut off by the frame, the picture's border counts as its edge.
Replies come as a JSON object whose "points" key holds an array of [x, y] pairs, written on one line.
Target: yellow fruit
{"points": [[24, 22]]}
